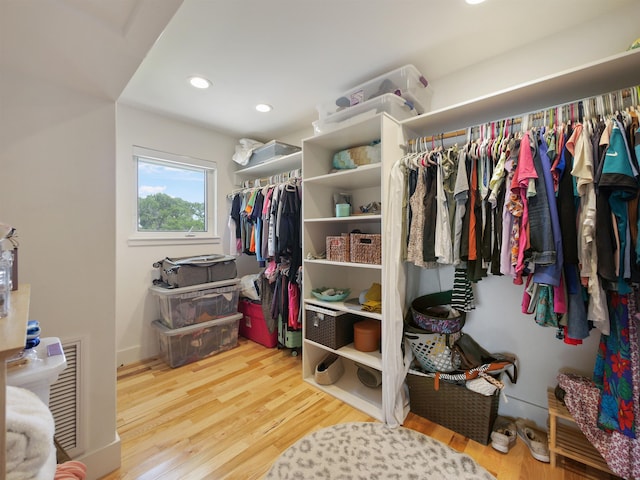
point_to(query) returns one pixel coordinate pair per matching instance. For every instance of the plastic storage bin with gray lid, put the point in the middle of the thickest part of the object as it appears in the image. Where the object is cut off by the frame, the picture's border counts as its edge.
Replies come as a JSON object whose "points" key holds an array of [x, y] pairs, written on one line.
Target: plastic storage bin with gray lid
{"points": [[270, 151], [180, 307], [189, 344]]}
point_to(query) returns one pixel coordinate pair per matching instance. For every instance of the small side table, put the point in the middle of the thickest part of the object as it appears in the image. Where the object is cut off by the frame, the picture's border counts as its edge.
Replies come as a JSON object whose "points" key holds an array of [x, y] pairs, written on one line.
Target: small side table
{"points": [[569, 441]]}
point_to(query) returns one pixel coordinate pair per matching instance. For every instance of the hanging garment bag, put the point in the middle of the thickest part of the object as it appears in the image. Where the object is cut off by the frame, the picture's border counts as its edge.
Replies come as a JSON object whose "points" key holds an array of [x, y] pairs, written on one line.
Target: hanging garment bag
{"points": [[187, 271]]}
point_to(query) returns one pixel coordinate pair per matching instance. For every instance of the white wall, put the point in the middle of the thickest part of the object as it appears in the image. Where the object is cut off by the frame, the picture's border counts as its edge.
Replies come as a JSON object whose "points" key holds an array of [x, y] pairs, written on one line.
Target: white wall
{"points": [[605, 36], [57, 151]]}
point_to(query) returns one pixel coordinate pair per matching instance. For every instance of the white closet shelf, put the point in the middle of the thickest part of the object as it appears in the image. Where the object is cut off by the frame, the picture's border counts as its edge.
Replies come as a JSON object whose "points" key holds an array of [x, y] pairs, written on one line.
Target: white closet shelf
{"points": [[370, 359], [596, 78], [351, 391], [278, 165], [373, 266], [361, 177], [349, 219], [344, 307], [358, 133]]}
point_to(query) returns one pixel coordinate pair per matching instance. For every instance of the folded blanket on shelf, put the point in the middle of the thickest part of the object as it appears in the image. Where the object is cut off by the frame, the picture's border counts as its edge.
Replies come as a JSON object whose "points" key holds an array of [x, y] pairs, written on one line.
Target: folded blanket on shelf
{"points": [[30, 430]]}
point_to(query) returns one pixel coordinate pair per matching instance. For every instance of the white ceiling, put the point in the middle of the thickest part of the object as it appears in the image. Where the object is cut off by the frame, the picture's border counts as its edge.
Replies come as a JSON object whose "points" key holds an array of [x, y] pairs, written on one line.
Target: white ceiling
{"points": [[292, 54]]}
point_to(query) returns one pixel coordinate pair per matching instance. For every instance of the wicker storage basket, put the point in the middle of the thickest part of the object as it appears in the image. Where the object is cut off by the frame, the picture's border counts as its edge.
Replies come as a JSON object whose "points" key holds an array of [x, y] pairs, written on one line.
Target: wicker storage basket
{"points": [[331, 328], [338, 248], [366, 248], [453, 406]]}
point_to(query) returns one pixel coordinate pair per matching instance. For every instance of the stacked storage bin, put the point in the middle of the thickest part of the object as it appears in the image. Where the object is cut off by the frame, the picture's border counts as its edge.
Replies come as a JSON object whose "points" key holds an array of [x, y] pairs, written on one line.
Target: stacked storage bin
{"points": [[402, 93], [197, 321]]}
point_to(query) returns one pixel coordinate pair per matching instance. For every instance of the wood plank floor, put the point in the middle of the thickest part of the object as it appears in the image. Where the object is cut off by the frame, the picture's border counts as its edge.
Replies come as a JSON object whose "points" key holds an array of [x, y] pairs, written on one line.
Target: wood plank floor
{"points": [[231, 415]]}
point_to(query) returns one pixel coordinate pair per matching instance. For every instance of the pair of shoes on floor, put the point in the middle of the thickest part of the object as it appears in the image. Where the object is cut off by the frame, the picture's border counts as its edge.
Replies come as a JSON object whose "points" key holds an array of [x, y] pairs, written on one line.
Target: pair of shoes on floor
{"points": [[505, 431]]}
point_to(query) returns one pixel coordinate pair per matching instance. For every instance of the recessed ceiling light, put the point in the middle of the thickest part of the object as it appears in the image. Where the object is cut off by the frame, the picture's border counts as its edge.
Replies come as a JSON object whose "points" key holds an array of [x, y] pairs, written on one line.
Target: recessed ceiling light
{"points": [[474, 2], [199, 82], [263, 107]]}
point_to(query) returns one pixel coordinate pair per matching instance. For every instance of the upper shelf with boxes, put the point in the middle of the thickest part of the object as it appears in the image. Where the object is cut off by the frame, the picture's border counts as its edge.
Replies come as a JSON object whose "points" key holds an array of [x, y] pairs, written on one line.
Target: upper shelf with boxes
{"points": [[272, 158]]}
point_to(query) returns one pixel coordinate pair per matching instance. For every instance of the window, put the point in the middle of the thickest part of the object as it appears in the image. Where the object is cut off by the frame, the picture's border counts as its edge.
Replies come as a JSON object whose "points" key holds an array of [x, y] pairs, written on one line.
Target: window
{"points": [[175, 197]]}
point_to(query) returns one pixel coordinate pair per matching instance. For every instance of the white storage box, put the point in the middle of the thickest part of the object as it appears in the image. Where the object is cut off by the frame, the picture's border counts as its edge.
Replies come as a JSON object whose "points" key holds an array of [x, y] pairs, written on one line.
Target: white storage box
{"points": [[180, 307], [388, 103], [406, 82], [180, 346]]}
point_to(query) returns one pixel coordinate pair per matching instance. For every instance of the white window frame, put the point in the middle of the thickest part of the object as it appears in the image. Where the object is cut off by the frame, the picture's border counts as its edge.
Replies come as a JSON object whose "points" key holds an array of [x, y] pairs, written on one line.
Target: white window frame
{"points": [[138, 238]]}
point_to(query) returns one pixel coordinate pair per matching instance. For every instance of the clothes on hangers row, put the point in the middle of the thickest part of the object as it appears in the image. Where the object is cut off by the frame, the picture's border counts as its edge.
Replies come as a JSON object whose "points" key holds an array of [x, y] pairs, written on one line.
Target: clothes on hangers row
{"points": [[265, 222], [556, 209], [509, 210]]}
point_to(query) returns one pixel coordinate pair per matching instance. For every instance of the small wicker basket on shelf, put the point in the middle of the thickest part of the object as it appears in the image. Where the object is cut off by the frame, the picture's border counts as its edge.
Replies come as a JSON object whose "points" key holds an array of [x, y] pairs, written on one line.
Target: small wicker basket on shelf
{"points": [[366, 248], [338, 248]]}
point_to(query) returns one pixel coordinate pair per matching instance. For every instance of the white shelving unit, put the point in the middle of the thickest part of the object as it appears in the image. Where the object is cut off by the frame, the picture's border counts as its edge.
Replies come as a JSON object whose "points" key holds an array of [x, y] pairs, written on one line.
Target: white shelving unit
{"points": [[365, 184]]}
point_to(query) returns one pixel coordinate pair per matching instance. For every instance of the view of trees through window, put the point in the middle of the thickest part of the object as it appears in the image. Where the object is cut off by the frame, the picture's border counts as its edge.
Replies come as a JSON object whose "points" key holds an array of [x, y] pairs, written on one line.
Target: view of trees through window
{"points": [[160, 212], [171, 197]]}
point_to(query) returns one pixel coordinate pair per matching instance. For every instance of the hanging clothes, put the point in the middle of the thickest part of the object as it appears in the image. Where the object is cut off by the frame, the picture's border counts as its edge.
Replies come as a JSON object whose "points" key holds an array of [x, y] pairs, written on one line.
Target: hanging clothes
{"points": [[558, 206], [613, 373], [619, 181]]}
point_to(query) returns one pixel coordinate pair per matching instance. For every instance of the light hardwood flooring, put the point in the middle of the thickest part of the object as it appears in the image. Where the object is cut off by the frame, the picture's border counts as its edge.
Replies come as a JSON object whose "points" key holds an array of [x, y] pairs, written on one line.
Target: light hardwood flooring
{"points": [[231, 415]]}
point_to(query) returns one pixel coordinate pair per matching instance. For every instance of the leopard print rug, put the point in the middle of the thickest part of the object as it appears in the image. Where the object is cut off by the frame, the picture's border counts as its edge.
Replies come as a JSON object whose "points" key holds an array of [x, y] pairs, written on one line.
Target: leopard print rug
{"points": [[373, 451]]}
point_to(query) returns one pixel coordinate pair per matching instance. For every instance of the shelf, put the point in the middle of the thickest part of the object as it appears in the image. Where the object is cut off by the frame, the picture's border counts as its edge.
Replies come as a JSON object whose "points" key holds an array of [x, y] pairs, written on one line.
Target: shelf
{"points": [[597, 78], [351, 391], [568, 441], [571, 443], [349, 219], [365, 184], [343, 307], [282, 164], [357, 133], [370, 359], [346, 264], [356, 178]]}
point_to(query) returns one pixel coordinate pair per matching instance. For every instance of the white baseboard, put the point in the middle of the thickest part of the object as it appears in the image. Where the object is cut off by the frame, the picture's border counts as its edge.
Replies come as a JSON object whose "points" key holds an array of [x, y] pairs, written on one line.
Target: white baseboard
{"points": [[103, 461], [129, 355]]}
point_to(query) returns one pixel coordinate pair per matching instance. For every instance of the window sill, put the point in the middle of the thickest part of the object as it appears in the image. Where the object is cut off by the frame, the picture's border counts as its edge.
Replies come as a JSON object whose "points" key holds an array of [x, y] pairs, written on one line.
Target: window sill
{"points": [[161, 241]]}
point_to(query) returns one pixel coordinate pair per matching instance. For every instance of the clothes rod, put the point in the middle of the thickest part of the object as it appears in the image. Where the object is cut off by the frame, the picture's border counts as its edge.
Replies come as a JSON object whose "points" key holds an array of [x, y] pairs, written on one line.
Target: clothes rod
{"points": [[611, 102]]}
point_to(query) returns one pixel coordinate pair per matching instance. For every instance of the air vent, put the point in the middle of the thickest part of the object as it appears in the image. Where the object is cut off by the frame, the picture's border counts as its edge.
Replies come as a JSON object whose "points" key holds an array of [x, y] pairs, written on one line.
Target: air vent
{"points": [[64, 401]]}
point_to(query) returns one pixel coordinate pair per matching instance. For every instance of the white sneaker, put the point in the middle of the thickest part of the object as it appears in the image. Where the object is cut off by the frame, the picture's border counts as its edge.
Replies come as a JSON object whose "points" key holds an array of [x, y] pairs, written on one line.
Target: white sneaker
{"points": [[503, 436], [535, 439]]}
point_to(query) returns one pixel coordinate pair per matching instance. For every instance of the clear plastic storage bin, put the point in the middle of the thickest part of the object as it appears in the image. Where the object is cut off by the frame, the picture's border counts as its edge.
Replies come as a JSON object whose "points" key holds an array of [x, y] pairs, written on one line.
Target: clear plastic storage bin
{"points": [[179, 346], [388, 103], [180, 307], [405, 82]]}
